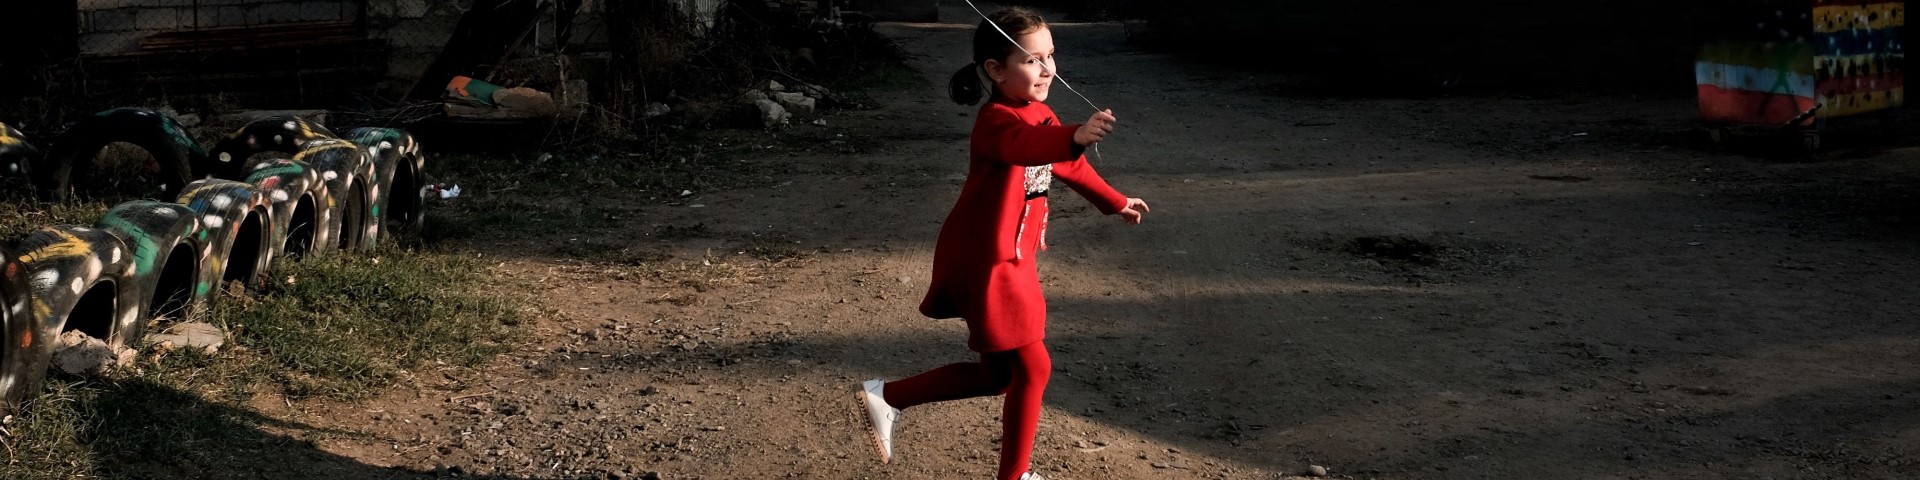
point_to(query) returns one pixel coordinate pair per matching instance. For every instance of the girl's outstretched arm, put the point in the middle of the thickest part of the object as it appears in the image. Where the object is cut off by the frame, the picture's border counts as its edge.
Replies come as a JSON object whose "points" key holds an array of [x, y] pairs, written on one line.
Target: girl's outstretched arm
{"points": [[1080, 176], [1012, 140]]}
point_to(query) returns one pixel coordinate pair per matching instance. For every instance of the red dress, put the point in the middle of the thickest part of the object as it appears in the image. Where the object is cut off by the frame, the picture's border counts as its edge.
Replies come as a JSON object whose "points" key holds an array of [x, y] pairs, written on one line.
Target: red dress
{"points": [[983, 265]]}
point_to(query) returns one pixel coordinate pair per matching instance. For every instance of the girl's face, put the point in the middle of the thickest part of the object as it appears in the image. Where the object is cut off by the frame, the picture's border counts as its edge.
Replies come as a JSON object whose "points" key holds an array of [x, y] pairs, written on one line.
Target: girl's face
{"points": [[1022, 77]]}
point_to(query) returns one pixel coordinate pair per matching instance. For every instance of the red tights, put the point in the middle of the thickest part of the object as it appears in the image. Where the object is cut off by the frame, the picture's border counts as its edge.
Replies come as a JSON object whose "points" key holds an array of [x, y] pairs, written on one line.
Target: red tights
{"points": [[1020, 373]]}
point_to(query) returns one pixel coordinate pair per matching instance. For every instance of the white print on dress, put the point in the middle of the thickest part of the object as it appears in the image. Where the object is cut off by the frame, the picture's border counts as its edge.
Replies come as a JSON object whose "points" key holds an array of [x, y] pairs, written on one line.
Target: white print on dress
{"points": [[1039, 179]]}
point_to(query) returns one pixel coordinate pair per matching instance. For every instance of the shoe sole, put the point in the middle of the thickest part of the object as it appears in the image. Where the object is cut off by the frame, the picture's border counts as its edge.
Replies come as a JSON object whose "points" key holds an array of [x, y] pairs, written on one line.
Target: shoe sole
{"points": [[866, 412]]}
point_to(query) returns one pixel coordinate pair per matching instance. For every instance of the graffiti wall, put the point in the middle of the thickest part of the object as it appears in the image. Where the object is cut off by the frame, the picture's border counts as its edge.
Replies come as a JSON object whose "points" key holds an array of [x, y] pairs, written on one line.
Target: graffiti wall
{"points": [[1780, 65], [231, 214]]}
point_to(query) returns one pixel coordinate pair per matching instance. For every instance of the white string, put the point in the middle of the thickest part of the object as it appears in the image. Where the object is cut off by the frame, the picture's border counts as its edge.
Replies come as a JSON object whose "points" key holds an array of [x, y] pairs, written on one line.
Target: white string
{"points": [[1043, 65]]}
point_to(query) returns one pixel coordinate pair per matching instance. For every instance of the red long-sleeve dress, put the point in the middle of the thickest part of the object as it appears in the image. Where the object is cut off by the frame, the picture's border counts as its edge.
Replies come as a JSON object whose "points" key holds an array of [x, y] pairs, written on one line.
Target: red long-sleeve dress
{"points": [[983, 264]]}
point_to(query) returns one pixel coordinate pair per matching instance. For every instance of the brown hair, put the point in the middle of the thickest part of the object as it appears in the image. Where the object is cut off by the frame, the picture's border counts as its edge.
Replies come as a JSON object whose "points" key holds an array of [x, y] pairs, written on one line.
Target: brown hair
{"points": [[988, 44]]}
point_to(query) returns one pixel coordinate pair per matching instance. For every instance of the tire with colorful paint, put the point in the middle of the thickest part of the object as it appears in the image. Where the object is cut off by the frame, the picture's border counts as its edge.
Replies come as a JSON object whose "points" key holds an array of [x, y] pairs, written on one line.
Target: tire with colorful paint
{"points": [[16, 154], [399, 172], [16, 321], [231, 157], [236, 224], [69, 163], [149, 259], [294, 191], [77, 279], [349, 219], [167, 255]]}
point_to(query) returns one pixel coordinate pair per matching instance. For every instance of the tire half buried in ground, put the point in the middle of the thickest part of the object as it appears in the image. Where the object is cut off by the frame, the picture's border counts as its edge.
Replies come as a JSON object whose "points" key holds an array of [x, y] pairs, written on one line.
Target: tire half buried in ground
{"points": [[347, 215], [78, 280], [292, 188], [166, 244], [236, 224], [16, 321]]}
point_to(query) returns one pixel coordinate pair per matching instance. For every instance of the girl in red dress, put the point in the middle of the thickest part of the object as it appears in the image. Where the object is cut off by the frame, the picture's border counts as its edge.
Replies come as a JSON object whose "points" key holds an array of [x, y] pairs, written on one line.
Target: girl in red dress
{"points": [[983, 265]]}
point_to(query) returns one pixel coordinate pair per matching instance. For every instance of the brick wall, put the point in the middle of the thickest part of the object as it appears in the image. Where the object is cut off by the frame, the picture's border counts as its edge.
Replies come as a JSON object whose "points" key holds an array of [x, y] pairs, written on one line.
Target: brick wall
{"points": [[116, 26]]}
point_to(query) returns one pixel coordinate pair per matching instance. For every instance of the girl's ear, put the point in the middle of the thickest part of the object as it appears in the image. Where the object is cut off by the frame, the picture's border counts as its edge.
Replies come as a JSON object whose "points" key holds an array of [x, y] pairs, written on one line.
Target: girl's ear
{"points": [[995, 70]]}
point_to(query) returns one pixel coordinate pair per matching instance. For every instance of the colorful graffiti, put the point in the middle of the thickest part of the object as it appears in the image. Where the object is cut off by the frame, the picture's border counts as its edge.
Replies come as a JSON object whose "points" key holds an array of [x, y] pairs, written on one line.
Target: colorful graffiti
{"points": [[1795, 67], [146, 260], [16, 155]]}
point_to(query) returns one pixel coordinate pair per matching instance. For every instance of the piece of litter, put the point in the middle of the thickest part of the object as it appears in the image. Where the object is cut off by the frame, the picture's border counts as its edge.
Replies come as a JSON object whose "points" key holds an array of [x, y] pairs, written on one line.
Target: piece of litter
{"points": [[686, 192], [1581, 134], [698, 205], [443, 191]]}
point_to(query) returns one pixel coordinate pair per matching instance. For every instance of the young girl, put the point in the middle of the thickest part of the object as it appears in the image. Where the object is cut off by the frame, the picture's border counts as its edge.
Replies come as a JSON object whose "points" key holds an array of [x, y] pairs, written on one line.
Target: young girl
{"points": [[983, 265]]}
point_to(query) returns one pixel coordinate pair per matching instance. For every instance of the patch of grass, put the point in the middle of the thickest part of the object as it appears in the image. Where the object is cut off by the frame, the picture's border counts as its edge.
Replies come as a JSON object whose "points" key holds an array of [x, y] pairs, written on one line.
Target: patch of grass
{"points": [[341, 326], [44, 440], [344, 326], [18, 218]]}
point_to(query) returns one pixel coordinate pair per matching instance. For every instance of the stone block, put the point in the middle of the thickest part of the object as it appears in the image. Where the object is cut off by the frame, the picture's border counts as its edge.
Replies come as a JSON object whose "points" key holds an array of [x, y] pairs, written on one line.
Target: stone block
{"points": [[161, 18], [116, 20], [110, 42], [91, 5]]}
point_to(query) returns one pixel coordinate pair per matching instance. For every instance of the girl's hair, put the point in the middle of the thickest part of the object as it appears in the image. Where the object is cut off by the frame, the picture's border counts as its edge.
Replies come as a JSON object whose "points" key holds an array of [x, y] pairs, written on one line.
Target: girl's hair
{"points": [[966, 87]]}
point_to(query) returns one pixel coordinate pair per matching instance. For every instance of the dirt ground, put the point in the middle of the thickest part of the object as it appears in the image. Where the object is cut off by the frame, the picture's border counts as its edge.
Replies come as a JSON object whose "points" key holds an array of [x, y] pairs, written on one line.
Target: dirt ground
{"points": [[1551, 284]]}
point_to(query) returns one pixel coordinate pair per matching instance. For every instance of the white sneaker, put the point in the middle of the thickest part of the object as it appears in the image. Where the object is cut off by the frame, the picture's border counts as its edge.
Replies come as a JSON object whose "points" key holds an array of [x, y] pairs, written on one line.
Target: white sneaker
{"points": [[881, 416], [1030, 476]]}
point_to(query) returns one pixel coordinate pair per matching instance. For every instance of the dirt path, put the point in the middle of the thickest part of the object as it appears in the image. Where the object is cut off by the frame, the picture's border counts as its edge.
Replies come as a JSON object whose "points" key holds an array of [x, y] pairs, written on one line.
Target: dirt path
{"points": [[1483, 286]]}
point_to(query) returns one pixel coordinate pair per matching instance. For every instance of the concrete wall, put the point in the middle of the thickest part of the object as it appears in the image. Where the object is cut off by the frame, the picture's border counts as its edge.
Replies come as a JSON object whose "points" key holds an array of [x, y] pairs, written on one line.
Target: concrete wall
{"points": [[116, 26]]}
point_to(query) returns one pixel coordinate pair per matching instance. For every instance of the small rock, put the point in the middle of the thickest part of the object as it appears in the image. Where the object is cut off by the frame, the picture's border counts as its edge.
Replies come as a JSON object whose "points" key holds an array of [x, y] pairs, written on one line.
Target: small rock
{"points": [[795, 102], [76, 353], [773, 86], [1316, 471], [906, 279], [755, 96], [193, 335], [821, 122], [772, 114], [656, 109], [1160, 465]]}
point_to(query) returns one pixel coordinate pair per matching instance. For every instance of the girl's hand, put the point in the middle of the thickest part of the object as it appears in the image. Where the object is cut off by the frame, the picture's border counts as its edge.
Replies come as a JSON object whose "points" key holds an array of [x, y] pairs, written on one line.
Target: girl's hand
{"points": [[1096, 128], [1136, 208]]}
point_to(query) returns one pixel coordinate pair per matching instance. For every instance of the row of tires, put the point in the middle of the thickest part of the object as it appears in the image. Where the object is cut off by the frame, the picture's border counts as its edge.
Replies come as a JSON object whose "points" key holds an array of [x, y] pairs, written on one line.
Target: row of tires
{"points": [[233, 212]]}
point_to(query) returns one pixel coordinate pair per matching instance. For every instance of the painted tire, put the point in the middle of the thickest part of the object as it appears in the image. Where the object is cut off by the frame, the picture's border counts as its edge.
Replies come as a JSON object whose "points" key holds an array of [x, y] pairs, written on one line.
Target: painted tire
{"points": [[76, 277], [231, 158], [166, 245], [17, 355], [70, 161], [16, 155], [400, 173], [236, 228], [349, 220], [293, 189]]}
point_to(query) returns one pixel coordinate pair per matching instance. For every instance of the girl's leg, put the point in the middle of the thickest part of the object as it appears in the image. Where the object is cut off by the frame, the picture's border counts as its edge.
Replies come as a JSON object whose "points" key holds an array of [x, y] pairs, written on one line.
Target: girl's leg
{"points": [[955, 381], [1030, 367]]}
